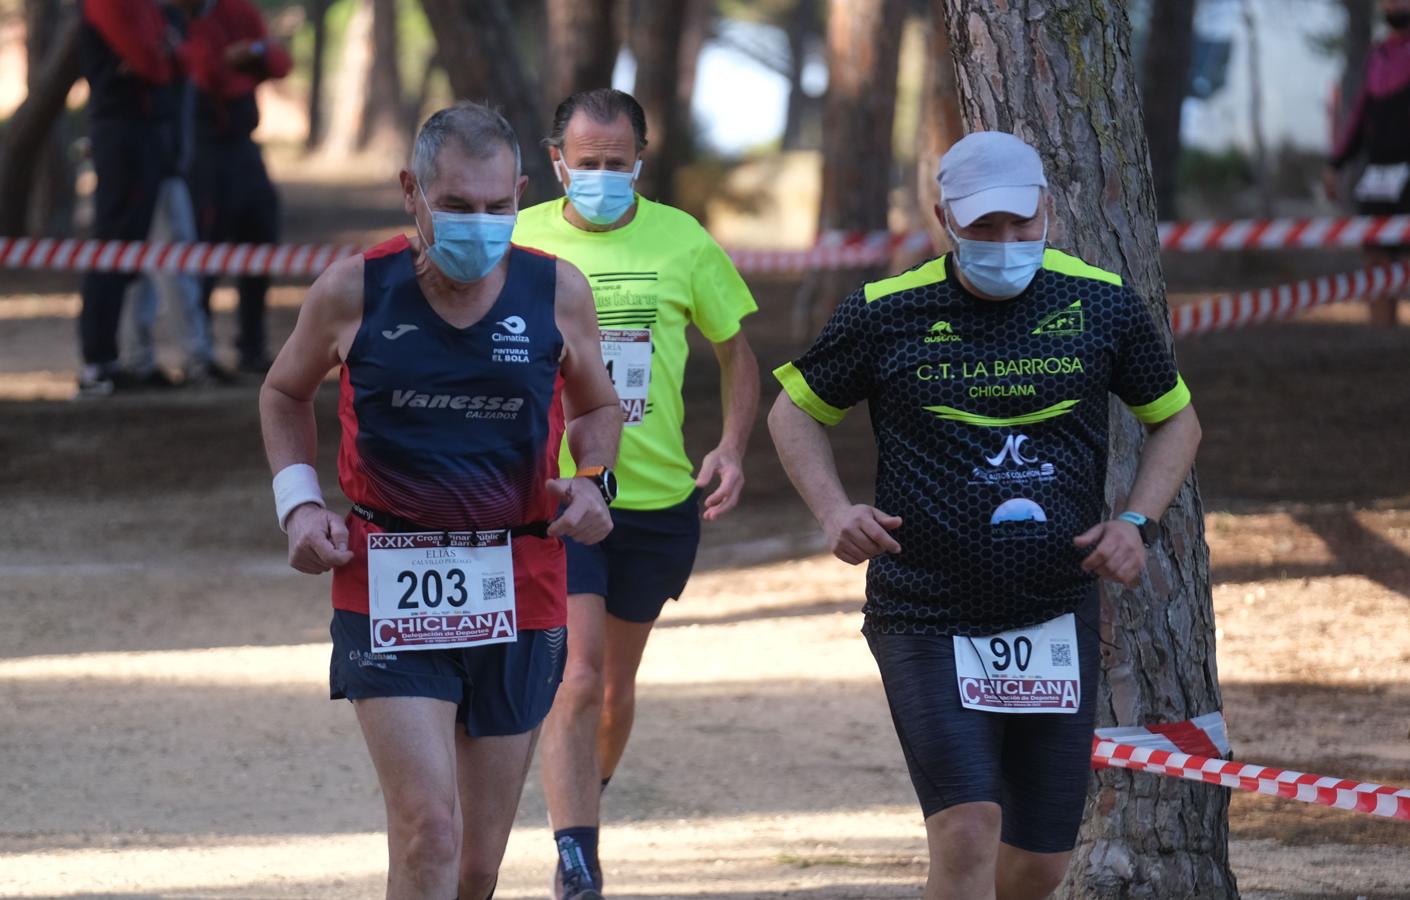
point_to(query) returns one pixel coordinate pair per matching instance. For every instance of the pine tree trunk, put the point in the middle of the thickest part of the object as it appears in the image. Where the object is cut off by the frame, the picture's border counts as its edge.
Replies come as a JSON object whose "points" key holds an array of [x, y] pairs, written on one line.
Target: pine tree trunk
{"points": [[318, 15], [349, 84], [802, 26], [940, 121], [477, 44], [26, 135], [859, 111], [52, 200], [381, 128], [657, 30], [582, 47], [1360, 23], [1059, 74], [1164, 78]]}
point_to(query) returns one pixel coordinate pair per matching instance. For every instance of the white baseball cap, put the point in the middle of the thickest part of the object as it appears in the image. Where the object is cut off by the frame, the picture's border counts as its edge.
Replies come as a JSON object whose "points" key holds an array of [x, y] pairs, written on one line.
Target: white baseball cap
{"points": [[990, 171]]}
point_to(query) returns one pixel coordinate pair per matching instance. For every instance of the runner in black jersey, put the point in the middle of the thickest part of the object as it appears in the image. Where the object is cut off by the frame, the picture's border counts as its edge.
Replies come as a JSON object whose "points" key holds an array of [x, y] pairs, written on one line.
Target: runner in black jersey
{"points": [[986, 373]]}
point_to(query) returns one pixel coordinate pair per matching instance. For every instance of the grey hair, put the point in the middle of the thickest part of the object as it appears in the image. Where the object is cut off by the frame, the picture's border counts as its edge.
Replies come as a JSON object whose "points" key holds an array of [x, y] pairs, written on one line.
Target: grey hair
{"points": [[474, 127]]}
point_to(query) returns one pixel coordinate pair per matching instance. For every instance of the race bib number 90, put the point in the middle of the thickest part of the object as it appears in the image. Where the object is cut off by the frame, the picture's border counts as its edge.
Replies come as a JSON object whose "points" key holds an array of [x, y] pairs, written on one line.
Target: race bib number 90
{"points": [[627, 354], [436, 591], [1027, 670]]}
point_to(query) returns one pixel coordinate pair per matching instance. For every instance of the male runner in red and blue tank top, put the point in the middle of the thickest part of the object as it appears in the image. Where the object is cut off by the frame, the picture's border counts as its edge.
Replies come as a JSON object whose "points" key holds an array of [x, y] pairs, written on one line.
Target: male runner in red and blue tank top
{"points": [[463, 359]]}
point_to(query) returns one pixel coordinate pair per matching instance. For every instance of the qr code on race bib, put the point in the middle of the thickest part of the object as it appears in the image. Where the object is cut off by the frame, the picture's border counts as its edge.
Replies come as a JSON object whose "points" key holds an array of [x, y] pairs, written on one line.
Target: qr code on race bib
{"points": [[1062, 653], [494, 587], [636, 377]]}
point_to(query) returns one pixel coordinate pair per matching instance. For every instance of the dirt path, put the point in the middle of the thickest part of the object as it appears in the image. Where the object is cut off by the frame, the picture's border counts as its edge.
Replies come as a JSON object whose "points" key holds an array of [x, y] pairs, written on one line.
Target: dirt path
{"points": [[164, 729]]}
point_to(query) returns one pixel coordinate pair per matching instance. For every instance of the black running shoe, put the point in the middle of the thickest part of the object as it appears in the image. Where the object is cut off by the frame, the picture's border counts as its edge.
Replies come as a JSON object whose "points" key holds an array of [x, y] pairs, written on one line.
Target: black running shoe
{"points": [[576, 884]]}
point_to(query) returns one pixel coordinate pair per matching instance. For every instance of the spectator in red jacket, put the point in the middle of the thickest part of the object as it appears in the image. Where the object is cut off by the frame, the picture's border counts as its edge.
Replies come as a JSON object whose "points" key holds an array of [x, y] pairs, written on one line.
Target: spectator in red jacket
{"points": [[135, 55], [235, 200]]}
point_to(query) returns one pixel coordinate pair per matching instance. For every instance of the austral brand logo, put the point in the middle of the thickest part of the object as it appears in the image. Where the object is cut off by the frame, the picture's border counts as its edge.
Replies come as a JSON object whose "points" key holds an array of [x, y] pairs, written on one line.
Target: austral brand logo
{"points": [[941, 333], [1068, 321], [479, 406], [1013, 464], [515, 328], [400, 330]]}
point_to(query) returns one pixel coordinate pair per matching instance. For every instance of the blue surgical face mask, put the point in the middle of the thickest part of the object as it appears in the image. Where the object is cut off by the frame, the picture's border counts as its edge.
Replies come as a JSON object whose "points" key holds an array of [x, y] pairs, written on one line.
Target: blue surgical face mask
{"points": [[999, 269], [600, 195], [468, 245]]}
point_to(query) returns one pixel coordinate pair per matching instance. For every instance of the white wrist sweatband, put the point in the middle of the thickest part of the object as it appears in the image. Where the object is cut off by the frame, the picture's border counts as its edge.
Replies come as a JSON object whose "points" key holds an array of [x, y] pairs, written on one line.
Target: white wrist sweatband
{"points": [[294, 486]]}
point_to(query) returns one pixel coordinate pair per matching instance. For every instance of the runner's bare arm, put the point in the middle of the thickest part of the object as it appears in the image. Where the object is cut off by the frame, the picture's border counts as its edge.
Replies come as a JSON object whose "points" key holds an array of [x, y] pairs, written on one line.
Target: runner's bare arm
{"points": [[1119, 554], [855, 532], [590, 407], [739, 397], [327, 323]]}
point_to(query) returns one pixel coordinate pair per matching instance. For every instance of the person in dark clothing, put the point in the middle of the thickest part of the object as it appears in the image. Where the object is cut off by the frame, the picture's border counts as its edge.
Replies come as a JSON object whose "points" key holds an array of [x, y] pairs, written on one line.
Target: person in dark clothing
{"points": [[235, 200], [134, 55], [1378, 129]]}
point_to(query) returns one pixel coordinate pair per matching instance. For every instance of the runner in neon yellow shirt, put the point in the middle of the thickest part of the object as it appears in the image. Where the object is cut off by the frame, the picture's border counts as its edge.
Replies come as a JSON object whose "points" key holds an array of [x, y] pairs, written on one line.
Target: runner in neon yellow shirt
{"points": [[653, 270]]}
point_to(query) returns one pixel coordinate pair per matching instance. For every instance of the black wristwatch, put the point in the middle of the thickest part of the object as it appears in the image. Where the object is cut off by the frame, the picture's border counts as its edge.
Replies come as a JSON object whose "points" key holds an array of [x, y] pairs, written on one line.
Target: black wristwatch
{"points": [[1149, 528], [604, 479]]}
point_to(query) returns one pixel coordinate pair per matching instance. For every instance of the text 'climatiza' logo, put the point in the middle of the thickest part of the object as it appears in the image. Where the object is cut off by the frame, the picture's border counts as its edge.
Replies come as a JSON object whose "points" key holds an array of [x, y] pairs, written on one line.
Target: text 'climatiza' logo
{"points": [[515, 328], [476, 406]]}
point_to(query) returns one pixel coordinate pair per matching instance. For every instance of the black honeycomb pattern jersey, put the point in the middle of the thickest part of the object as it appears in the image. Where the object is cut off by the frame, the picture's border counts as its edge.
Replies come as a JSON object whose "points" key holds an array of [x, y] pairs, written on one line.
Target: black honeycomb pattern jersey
{"points": [[991, 426]]}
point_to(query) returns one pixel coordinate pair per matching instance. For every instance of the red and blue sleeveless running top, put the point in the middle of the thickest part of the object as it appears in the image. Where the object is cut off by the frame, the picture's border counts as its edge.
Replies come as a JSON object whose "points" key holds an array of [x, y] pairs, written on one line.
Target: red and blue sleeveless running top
{"points": [[455, 428]]}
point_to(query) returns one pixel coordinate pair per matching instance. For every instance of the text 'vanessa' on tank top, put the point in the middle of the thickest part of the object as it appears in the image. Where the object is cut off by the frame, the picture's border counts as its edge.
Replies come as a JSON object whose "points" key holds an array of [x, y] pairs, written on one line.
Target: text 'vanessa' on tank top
{"points": [[454, 428]]}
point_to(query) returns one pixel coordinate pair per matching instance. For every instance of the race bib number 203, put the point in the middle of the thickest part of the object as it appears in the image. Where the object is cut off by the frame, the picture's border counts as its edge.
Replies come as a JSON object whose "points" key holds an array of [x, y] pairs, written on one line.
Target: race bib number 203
{"points": [[436, 590]]}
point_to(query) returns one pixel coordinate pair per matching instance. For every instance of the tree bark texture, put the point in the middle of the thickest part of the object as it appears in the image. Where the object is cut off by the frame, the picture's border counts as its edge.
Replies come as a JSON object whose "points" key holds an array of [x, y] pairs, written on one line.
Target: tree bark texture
{"points": [[1360, 23], [477, 44], [940, 121], [52, 197], [859, 111], [1165, 76], [383, 125], [27, 135], [802, 27], [657, 40], [350, 80], [582, 48], [318, 15], [863, 52], [1058, 73]]}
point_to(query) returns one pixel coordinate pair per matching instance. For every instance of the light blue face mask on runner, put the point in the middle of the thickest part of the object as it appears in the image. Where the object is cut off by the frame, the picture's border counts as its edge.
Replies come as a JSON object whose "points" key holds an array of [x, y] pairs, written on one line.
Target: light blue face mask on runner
{"points": [[468, 245], [600, 195], [999, 269]]}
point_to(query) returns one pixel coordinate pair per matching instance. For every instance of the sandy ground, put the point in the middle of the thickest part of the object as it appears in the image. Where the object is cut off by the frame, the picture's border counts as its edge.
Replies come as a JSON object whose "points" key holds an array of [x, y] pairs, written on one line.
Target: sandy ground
{"points": [[165, 732]]}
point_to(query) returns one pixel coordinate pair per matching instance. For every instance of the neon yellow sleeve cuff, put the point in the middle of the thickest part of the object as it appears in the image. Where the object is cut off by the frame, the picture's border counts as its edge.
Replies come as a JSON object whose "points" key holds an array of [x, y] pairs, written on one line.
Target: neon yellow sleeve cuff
{"points": [[1167, 405], [803, 397]]}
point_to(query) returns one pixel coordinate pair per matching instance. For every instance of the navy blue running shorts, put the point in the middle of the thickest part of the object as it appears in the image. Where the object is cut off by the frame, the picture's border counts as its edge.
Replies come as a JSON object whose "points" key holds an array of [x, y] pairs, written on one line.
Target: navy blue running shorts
{"points": [[1035, 766], [498, 689], [644, 562]]}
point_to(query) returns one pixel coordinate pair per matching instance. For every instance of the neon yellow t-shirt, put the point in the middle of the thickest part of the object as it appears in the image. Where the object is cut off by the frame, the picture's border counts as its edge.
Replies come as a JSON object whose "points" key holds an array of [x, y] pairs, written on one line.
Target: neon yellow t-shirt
{"points": [[653, 275]]}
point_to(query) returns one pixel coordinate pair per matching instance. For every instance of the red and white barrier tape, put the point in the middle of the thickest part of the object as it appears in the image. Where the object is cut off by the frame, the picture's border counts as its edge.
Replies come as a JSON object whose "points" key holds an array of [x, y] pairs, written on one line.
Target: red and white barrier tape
{"points": [[1219, 313], [192, 259], [1239, 234], [834, 250], [1205, 735], [1241, 310], [1367, 797], [1284, 234]]}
